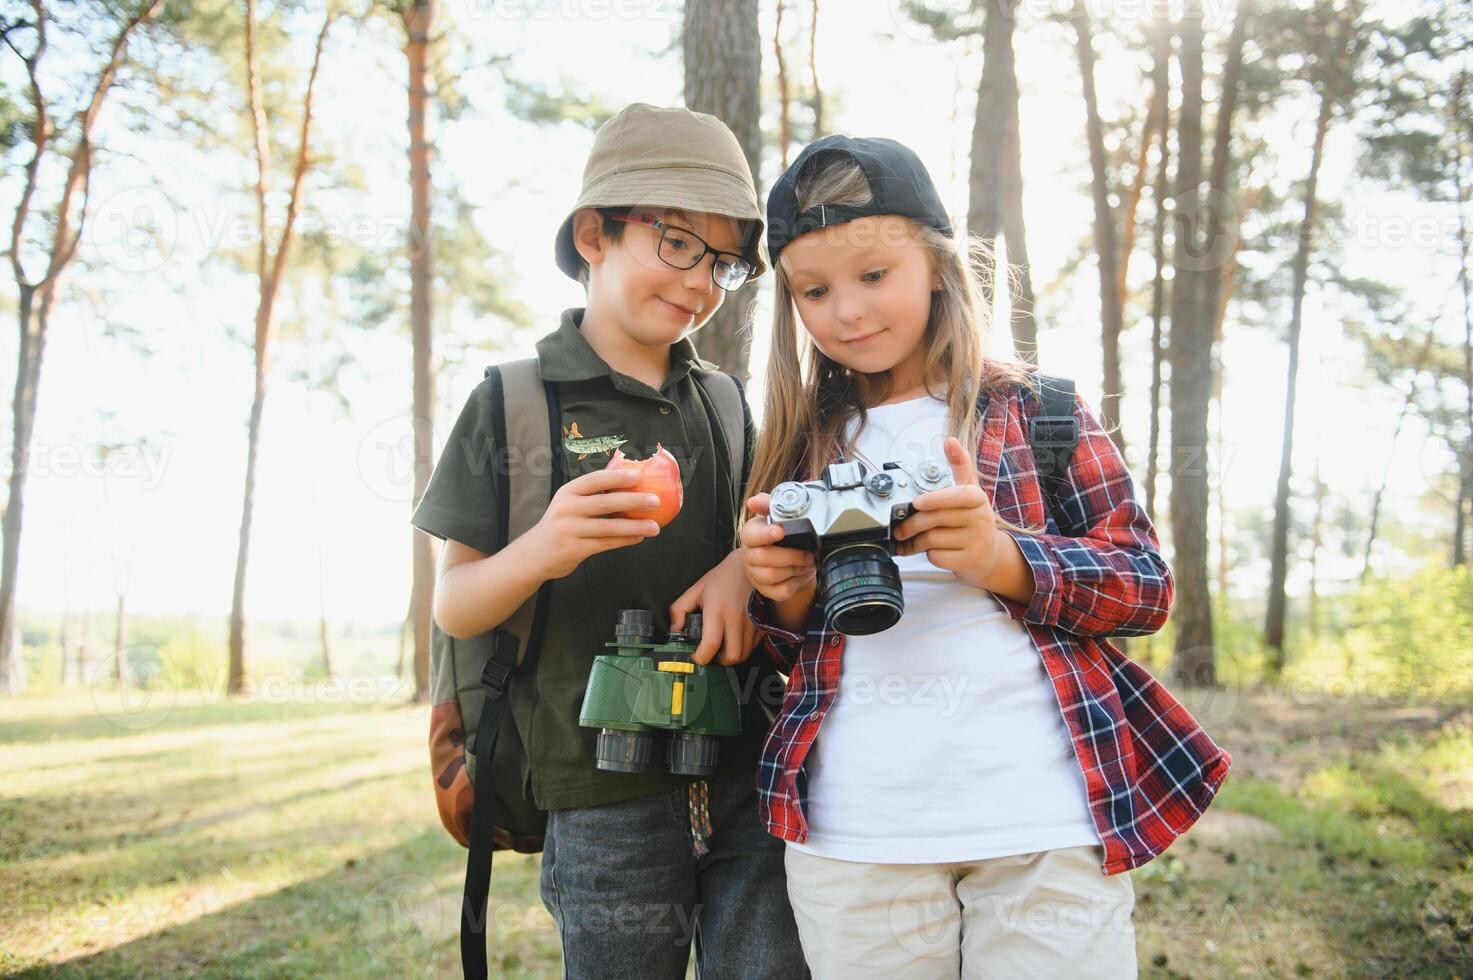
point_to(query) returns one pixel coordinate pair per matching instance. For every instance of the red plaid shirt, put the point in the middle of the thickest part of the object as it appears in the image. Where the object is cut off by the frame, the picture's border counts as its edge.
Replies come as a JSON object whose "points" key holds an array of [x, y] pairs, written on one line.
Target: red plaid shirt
{"points": [[1149, 769]]}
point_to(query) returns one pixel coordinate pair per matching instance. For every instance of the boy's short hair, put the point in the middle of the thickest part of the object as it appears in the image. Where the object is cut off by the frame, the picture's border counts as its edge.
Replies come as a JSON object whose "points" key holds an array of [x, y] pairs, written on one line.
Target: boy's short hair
{"points": [[610, 231], [653, 157]]}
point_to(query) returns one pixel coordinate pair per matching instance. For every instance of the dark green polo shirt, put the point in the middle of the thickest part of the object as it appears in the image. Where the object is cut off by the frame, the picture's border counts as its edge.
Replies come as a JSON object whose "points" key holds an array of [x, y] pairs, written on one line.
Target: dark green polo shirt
{"points": [[460, 503]]}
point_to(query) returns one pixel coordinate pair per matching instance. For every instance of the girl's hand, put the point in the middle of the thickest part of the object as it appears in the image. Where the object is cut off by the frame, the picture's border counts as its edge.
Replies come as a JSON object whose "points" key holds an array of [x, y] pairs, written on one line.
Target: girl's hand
{"points": [[721, 596], [955, 527], [778, 573]]}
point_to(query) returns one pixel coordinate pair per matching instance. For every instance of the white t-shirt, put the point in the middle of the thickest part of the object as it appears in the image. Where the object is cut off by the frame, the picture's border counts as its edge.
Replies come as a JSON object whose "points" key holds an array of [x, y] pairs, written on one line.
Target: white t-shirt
{"points": [[945, 741]]}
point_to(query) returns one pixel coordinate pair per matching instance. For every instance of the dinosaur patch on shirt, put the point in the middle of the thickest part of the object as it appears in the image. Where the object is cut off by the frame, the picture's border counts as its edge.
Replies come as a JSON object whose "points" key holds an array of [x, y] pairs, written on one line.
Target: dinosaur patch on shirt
{"points": [[575, 442]]}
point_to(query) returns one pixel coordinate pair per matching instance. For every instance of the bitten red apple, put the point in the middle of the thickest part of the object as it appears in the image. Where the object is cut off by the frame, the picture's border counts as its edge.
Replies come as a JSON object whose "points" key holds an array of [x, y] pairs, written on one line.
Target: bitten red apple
{"points": [[661, 477]]}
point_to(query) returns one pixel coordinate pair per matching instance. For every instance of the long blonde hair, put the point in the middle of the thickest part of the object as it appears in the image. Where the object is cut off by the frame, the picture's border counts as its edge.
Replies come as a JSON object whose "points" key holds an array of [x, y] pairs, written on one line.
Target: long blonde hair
{"points": [[808, 404]]}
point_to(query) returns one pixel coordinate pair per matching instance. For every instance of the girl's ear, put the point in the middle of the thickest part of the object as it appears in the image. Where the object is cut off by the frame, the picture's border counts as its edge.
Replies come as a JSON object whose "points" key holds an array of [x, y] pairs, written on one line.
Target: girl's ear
{"points": [[588, 237]]}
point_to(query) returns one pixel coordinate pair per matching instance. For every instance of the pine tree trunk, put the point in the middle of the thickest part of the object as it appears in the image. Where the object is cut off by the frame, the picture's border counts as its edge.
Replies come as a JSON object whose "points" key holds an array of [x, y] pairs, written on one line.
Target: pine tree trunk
{"points": [[784, 121], [1406, 407], [269, 270], [1160, 75], [84, 648], [1216, 284], [817, 100], [324, 634], [1219, 180], [1106, 249], [35, 299], [404, 629], [995, 179], [1460, 505], [120, 644], [68, 640], [418, 19], [235, 679], [23, 420], [1191, 386], [1465, 468], [1273, 630], [723, 65], [1129, 214], [1014, 232], [1314, 549], [1224, 293], [324, 637], [984, 179]]}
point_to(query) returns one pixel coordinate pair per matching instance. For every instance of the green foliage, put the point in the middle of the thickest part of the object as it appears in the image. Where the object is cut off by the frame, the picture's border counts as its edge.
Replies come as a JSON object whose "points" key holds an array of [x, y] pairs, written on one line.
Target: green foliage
{"points": [[1406, 638], [188, 653], [535, 104], [945, 23], [1243, 657], [1421, 105], [14, 119], [197, 657]]}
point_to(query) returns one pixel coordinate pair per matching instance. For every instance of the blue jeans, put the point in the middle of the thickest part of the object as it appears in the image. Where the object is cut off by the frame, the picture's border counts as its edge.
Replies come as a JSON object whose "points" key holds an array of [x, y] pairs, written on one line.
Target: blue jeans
{"points": [[630, 898]]}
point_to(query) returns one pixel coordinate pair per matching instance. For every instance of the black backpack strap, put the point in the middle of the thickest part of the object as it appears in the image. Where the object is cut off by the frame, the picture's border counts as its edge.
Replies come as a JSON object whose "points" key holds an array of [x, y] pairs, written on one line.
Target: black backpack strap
{"points": [[495, 679], [725, 393], [1053, 433]]}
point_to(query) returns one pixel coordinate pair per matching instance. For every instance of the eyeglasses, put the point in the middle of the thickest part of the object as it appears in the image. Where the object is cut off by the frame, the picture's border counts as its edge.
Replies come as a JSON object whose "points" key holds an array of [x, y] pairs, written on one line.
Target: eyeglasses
{"points": [[682, 248]]}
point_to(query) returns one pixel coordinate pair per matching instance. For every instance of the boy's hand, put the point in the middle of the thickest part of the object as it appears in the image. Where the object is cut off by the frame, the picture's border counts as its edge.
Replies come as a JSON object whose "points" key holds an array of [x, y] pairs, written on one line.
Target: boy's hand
{"points": [[721, 596], [778, 573], [955, 527], [576, 524]]}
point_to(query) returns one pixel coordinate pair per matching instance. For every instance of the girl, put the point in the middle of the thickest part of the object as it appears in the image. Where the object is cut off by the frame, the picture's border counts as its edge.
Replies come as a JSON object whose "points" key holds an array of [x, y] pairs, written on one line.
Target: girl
{"points": [[952, 789]]}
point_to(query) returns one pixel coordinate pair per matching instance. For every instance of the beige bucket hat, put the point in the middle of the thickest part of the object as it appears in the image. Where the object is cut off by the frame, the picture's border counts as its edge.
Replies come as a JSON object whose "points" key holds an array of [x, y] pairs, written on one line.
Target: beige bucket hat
{"points": [[649, 156]]}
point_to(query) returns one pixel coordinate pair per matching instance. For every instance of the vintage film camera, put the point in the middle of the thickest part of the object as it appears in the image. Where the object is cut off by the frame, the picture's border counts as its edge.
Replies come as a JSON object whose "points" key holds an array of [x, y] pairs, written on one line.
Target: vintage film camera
{"points": [[849, 519]]}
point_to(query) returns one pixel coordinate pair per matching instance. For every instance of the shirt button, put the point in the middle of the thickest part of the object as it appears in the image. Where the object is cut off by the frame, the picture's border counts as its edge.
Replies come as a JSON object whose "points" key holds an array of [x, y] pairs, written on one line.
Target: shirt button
{"points": [[664, 409]]}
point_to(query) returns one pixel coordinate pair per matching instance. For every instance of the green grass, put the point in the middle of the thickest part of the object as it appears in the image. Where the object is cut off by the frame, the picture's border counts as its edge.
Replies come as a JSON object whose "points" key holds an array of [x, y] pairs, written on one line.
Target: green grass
{"points": [[1340, 845], [237, 840], [209, 837]]}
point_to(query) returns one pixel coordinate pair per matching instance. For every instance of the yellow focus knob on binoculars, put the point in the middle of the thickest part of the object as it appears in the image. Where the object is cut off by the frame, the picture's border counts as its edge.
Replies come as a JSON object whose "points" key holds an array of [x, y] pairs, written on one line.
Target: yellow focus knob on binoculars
{"points": [[677, 691]]}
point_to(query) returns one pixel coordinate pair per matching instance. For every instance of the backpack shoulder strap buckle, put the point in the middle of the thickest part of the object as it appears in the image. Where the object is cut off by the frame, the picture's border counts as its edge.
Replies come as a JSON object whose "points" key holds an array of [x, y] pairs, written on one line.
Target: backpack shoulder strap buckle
{"points": [[500, 665], [494, 677], [1054, 431]]}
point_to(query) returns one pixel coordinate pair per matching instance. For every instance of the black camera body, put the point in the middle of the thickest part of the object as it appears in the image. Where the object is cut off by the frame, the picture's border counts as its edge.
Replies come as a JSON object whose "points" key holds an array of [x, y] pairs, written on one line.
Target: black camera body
{"points": [[848, 518]]}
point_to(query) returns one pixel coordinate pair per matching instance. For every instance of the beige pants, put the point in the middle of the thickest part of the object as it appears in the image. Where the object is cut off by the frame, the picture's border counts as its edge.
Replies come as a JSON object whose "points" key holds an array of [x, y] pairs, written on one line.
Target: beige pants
{"points": [[1042, 915]]}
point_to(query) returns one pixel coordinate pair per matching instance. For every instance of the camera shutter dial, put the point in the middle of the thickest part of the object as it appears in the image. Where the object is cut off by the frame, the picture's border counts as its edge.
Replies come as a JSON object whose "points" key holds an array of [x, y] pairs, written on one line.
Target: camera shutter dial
{"points": [[789, 501]]}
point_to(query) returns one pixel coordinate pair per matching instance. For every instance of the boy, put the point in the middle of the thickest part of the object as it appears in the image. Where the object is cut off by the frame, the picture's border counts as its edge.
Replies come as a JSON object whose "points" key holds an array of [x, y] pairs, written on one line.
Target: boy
{"points": [[635, 867]]}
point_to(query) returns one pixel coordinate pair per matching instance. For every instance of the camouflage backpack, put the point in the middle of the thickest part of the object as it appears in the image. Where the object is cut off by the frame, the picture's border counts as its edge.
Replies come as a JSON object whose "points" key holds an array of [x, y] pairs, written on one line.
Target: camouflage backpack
{"points": [[471, 728]]}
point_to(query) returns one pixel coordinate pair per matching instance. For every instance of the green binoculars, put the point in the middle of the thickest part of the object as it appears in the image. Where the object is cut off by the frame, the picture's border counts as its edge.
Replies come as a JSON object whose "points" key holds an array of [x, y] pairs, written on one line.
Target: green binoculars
{"points": [[644, 689]]}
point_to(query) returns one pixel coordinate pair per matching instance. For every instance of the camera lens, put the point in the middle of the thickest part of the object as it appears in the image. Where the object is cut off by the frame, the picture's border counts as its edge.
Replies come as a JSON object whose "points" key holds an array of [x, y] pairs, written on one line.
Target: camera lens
{"points": [[859, 589]]}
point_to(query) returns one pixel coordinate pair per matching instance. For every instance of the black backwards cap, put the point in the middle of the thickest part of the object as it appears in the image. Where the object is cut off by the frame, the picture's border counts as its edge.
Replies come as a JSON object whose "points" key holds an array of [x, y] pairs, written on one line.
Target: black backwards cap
{"points": [[897, 179]]}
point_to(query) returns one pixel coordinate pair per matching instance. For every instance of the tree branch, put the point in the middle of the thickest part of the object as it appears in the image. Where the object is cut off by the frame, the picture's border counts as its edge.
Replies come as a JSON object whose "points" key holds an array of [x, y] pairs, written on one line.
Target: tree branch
{"points": [[42, 134]]}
